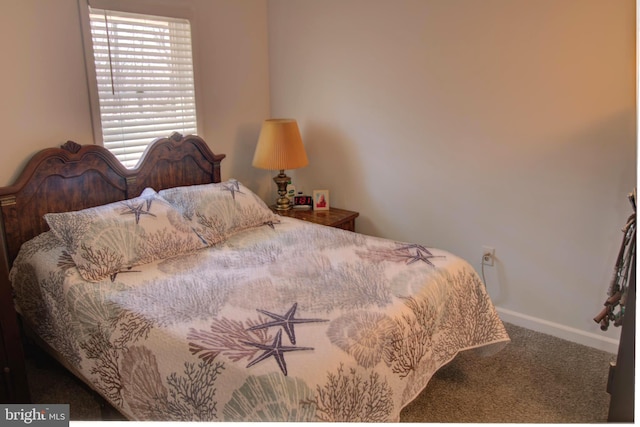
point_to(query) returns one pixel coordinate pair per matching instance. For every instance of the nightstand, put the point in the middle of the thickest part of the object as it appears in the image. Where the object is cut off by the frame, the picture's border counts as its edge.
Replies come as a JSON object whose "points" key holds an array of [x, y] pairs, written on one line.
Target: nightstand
{"points": [[334, 217]]}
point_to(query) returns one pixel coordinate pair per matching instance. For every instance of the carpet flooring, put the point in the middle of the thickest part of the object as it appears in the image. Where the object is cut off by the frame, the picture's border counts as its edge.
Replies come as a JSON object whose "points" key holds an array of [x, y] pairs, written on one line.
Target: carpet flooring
{"points": [[536, 378]]}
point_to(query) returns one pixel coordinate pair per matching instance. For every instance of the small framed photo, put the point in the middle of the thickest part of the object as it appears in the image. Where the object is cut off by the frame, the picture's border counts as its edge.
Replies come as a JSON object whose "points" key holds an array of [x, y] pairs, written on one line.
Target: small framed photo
{"points": [[320, 200]]}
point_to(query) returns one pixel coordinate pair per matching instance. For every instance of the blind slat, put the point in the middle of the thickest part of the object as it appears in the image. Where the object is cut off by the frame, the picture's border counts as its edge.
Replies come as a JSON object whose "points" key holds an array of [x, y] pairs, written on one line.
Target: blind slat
{"points": [[147, 129], [147, 116], [144, 94]]}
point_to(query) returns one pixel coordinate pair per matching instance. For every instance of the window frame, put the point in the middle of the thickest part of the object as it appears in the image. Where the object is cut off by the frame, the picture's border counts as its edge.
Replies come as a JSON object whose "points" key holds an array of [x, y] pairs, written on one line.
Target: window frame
{"points": [[148, 7]]}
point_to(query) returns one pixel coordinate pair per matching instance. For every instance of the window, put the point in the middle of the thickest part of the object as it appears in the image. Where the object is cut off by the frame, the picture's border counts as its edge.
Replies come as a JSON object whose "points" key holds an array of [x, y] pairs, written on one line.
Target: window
{"points": [[145, 82]]}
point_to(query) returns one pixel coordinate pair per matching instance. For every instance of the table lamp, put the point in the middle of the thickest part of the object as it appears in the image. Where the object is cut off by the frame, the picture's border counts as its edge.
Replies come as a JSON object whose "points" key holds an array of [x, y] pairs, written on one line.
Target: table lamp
{"points": [[280, 147]]}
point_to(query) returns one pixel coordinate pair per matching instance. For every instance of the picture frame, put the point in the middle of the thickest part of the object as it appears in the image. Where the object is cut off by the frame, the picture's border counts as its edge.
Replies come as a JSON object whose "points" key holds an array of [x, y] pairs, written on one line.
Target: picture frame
{"points": [[320, 200]]}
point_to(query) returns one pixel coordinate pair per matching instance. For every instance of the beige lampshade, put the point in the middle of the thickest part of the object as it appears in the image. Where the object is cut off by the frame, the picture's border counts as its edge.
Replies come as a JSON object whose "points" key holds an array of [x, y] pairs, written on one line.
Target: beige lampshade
{"points": [[280, 146]]}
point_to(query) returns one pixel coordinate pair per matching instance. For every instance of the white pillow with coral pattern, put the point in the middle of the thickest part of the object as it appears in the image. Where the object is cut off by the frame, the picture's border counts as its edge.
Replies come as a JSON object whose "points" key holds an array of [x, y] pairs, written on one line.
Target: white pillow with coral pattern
{"points": [[108, 239]]}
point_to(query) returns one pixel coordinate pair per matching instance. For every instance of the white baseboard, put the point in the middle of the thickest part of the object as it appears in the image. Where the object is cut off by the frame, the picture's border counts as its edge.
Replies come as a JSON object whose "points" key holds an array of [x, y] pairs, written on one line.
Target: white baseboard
{"points": [[568, 333]]}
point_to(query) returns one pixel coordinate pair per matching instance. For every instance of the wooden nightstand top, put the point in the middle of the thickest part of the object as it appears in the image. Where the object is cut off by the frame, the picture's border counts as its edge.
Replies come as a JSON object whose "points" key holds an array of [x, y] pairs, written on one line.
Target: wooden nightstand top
{"points": [[334, 217]]}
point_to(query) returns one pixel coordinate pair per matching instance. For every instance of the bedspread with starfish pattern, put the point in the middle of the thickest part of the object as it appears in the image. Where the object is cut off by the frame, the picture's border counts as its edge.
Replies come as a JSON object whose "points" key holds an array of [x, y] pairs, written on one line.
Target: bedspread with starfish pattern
{"points": [[288, 321]]}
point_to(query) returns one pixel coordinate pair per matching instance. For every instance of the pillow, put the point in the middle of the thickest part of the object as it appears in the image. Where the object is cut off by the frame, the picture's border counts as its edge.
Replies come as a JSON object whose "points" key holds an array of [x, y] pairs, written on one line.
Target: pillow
{"points": [[107, 239], [218, 210]]}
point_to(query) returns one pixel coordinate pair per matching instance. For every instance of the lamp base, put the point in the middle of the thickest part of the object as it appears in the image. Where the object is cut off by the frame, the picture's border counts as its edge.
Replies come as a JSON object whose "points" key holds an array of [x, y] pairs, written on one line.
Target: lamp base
{"points": [[282, 203]]}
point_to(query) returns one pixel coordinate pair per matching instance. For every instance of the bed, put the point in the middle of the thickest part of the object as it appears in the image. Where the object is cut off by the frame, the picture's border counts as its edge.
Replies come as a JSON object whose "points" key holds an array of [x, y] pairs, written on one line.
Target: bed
{"points": [[181, 297]]}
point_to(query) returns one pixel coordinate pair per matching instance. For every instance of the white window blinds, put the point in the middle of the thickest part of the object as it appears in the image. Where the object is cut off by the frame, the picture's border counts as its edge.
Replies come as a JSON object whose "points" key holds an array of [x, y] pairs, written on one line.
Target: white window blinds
{"points": [[144, 71]]}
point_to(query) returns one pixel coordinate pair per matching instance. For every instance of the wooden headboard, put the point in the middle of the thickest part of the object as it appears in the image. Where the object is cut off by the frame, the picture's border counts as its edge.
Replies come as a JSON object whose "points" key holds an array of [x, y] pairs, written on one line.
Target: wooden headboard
{"points": [[76, 177]]}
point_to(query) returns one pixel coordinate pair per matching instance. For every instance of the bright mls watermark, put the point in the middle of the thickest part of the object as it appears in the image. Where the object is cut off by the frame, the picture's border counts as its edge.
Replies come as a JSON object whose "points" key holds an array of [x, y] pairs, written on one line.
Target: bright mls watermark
{"points": [[34, 415]]}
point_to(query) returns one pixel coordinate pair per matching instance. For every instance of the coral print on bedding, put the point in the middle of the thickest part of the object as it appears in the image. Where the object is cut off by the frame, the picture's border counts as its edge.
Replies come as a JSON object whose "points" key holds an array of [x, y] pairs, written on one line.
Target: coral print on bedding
{"points": [[218, 210], [106, 240], [283, 320]]}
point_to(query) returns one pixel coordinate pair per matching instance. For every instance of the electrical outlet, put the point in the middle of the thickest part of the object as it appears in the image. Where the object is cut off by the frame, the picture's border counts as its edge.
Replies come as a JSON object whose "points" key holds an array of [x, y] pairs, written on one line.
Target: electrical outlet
{"points": [[488, 255]]}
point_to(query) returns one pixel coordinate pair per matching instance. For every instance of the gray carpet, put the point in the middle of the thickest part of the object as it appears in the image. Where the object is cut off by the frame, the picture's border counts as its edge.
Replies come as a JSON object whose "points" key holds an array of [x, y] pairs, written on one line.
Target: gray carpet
{"points": [[536, 378]]}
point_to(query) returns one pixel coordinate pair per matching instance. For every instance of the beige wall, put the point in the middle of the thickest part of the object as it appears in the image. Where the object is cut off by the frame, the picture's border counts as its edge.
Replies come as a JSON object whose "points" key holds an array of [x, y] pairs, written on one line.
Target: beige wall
{"points": [[464, 123], [44, 85], [42, 76]]}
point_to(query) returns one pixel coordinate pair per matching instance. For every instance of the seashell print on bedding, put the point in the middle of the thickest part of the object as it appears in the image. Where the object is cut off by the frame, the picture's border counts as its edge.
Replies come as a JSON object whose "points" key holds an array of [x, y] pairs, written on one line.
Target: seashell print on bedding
{"points": [[208, 336], [106, 240]]}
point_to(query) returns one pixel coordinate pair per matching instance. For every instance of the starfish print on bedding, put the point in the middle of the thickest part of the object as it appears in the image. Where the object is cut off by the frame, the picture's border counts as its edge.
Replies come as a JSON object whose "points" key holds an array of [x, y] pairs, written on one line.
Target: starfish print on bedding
{"points": [[233, 187], [204, 242], [422, 254], [271, 224], [113, 276], [135, 210], [286, 322], [277, 350], [149, 200]]}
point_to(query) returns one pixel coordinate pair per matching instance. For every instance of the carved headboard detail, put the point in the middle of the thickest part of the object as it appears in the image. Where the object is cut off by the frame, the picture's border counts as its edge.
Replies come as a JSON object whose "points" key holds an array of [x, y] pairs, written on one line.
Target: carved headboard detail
{"points": [[75, 177]]}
